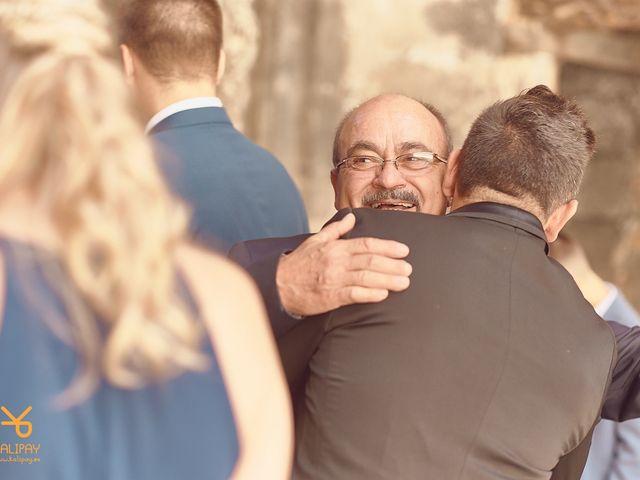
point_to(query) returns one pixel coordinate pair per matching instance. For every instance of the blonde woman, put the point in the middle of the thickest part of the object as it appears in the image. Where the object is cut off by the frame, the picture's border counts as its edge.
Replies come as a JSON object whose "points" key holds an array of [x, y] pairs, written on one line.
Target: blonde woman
{"points": [[124, 353]]}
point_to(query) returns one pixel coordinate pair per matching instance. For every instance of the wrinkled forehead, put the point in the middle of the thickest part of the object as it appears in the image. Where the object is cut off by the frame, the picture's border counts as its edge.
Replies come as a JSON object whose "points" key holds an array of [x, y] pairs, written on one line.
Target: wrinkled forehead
{"points": [[388, 129]]}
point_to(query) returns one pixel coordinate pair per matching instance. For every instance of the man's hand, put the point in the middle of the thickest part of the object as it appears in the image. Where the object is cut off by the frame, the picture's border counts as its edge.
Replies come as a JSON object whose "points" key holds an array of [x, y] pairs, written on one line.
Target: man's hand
{"points": [[325, 272]]}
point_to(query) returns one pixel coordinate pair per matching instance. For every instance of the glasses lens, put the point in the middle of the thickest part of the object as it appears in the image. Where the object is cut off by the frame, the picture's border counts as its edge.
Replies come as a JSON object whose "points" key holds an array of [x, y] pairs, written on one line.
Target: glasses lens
{"points": [[363, 163], [415, 161]]}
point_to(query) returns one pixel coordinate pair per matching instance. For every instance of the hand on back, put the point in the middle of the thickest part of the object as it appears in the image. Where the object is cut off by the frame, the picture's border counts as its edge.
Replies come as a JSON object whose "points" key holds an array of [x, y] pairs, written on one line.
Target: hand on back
{"points": [[326, 272]]}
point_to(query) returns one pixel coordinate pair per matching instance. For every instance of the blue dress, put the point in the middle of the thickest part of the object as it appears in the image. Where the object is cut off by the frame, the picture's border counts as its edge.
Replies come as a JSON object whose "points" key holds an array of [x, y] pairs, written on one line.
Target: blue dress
{"points": [[180, 429]]}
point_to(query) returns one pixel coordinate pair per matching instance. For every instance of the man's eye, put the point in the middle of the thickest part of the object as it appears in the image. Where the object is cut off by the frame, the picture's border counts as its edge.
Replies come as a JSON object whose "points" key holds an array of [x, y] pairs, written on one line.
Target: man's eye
{"points": [[362, 162], [415, 162]]}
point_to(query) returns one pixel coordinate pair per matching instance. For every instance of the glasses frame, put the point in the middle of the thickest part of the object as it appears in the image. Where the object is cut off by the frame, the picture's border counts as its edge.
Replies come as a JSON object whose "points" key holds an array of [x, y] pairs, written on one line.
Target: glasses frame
{"points": [[381, 161]]}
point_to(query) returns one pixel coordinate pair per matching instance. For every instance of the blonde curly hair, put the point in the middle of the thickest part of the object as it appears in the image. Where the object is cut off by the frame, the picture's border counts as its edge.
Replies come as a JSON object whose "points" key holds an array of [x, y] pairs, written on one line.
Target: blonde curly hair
{"points": [[70, 134]]}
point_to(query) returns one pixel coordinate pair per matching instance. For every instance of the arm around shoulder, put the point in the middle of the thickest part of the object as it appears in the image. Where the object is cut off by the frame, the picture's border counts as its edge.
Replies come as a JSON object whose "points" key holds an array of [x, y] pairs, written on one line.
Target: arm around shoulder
{"points": [[263, 271], [246, 351], [623, 396]]}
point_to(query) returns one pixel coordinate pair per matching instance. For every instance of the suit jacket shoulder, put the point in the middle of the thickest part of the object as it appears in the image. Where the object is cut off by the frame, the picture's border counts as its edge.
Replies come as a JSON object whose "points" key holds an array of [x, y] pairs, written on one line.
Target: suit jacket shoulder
{"points": [[237, 190], [260, 259]]}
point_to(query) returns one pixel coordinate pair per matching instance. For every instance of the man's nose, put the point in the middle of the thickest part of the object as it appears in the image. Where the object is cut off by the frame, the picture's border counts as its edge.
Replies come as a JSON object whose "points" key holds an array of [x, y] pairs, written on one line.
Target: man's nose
{"points": [[388, 177]]}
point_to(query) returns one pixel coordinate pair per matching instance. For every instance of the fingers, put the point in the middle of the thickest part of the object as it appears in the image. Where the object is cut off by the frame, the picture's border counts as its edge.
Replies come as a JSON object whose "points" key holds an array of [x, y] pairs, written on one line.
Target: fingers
{"points": [[376, 246], [362, 295], [380, 264], [335, 230], [326, 272], [376, 281]]}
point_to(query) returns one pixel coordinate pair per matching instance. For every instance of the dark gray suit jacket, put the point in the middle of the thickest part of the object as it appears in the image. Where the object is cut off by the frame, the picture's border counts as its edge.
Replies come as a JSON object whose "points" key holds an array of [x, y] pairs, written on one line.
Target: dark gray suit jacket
{"points": [[491, 365], [237, 190]]}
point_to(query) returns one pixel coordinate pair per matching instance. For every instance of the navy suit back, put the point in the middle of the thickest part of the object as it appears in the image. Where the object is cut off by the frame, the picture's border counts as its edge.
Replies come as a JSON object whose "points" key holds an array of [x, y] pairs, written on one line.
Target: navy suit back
{"points": [[238, 191]]}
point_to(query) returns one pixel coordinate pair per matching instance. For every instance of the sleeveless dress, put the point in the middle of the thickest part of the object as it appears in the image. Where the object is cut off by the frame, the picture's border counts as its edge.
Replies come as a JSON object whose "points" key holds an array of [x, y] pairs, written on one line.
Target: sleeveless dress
{"points": [[180, 429]]}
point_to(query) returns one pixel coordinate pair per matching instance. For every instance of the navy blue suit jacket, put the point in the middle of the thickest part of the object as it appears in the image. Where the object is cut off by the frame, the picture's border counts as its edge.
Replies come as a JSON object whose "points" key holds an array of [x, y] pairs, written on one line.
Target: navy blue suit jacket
{"points": [[237, 190]]}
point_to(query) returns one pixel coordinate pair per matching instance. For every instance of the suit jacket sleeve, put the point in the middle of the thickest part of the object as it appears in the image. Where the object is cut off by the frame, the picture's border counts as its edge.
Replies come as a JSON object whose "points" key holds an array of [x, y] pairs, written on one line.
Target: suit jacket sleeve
{"points": [[260, 259], [572, 464], [623, 444], [623, 397]]}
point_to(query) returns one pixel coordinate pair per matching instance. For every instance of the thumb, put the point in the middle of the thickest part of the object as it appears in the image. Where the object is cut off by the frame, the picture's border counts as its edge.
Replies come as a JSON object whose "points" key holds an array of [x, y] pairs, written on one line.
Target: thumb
{"points": [[335, 230]]}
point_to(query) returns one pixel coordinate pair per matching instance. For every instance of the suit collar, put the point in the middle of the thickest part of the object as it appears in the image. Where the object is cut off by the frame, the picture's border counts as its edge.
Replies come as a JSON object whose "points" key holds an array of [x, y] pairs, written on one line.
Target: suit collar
{"points": [[506, 214], [191, 117], [498, 212]]}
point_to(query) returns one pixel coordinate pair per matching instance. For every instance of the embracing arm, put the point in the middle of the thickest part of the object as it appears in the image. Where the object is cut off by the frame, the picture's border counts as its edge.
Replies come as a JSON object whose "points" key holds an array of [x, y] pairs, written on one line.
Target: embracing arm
{"points": [[623, 397], [326, 272], [242, 340], [263, 271]]}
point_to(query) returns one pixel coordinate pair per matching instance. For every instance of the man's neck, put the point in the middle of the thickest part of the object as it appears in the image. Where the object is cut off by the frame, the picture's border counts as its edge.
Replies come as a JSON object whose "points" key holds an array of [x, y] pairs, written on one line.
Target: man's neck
{"points": [[164, 95], [482, 194]]}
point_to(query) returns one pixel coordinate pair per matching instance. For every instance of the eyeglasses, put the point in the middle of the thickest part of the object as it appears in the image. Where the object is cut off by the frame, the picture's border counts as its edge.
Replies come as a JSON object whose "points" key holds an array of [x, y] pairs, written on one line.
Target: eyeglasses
{"points": [[407, 163]]}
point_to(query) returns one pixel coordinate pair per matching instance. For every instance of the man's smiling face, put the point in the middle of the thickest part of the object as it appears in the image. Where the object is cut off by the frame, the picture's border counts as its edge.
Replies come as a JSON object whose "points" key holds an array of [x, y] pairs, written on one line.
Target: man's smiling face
{"points": [[386, 127]]}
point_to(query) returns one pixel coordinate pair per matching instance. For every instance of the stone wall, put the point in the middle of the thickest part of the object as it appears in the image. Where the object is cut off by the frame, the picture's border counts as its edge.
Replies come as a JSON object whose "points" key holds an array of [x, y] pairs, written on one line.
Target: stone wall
{"points": [[241, 40], [319, 58], [607, 222], [297, 66]]}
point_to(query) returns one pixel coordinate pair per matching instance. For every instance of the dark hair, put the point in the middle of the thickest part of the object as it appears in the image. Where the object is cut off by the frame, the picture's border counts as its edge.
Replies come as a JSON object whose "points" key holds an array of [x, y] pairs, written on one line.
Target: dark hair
{"points": [[174, 39], [534, 145], [434, 111]]}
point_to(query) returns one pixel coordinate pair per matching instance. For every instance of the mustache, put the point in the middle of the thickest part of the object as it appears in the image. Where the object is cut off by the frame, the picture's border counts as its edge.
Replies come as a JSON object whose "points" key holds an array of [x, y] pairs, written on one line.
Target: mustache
{"points": [[403, 195]]}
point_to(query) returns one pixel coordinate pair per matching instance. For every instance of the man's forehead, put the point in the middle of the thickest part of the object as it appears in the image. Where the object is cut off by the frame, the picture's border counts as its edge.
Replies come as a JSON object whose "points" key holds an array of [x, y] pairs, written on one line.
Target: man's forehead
{"points": [[400, 122]]}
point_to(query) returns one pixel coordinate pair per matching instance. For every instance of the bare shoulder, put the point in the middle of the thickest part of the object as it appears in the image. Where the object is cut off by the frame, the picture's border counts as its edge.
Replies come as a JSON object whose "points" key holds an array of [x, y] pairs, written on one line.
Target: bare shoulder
{"points": [[215, 281], [3, 279]]}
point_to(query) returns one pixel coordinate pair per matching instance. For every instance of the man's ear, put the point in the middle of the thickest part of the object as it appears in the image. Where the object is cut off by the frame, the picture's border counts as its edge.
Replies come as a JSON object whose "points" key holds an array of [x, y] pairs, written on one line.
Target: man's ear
{"points": [[128, 64], [558, 219], [451, 174], [334, 184], [222, 66]]}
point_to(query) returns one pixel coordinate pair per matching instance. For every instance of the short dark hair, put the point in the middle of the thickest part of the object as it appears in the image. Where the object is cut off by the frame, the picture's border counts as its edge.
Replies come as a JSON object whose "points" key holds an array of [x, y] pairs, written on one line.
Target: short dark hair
{"points": [[434, 111], [534, 145], [174, 39]]}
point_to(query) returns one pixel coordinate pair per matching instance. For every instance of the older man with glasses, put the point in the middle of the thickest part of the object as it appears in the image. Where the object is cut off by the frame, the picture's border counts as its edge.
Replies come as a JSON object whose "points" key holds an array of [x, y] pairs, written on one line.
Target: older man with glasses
{"points": [[364, 374], [388, 153]]}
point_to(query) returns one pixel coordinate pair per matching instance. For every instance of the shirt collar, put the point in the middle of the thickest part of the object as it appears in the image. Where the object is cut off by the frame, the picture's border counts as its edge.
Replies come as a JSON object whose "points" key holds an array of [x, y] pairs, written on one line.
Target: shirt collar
{"points": [[507, 214], [188, 104]]}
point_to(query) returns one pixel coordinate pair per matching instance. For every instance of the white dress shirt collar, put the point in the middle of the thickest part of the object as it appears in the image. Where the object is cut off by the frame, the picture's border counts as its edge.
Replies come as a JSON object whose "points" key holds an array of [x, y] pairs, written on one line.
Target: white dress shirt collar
{"points": [[188, 104]]}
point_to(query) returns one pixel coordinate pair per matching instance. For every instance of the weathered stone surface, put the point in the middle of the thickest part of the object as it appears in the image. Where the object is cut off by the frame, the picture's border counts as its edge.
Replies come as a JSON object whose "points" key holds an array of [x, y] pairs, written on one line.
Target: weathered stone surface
{"points": [[474, 22], [607, 222], [451, 54], [241, 47], [306, 62], [297, 95], [602, 14], [617, 51]]}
